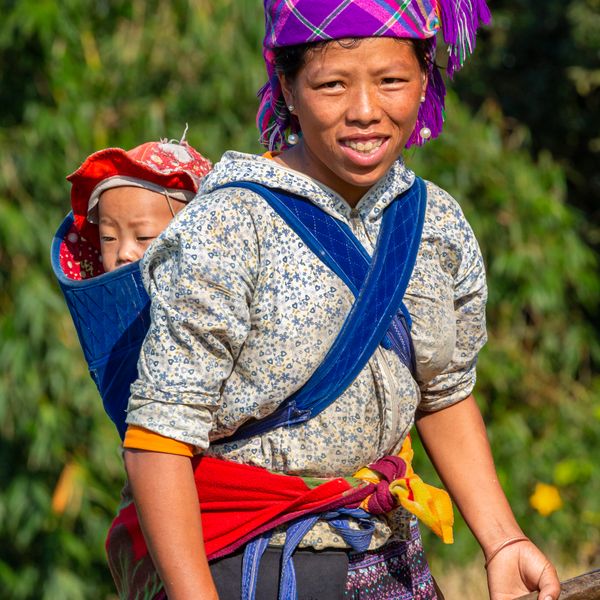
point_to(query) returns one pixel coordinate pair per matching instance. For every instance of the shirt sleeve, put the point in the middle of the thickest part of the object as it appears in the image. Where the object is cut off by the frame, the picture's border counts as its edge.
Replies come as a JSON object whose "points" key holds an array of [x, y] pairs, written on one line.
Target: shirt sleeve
{"points": [[467, 276], [138, 438], [200, 275]]}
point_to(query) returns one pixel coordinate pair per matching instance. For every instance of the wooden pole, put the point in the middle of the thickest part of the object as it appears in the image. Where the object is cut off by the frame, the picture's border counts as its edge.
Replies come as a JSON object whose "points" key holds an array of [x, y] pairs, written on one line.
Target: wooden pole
{"points": [[584, 587]]}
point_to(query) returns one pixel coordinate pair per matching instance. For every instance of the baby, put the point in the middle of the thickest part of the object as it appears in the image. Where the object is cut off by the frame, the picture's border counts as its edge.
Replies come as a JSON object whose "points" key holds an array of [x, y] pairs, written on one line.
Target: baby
{"points": [[122, 200]]}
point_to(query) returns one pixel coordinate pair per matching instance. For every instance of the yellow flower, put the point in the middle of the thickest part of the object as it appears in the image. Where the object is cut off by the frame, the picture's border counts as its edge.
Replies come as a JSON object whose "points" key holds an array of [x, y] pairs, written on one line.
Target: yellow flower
{"points": [[545, 499], [68, 492]]}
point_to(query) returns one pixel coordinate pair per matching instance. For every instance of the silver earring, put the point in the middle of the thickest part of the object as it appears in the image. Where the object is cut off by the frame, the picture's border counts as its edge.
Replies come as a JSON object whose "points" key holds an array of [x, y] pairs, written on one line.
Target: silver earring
{"points": [[425, 133], [422, 99], [291, 107], [293, 139]]}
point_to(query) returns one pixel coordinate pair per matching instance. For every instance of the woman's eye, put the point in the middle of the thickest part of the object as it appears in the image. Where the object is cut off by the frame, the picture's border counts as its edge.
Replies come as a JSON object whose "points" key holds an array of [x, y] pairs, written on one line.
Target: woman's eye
{"points": [[331, 85], [392, 80]]}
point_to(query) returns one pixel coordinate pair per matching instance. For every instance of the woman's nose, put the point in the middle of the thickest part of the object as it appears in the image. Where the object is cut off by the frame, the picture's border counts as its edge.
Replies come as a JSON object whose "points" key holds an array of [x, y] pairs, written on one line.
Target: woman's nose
{"points": [[363, 105]]}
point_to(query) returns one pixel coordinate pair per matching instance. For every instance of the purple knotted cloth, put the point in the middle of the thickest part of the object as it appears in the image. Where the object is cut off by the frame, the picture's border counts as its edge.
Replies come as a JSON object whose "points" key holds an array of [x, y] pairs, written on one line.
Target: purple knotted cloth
{"points": [[390, 468]]}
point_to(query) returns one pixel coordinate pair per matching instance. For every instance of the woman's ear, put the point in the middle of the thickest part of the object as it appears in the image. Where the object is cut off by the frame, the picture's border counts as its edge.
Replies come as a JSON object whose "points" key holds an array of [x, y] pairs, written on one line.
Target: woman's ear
{"points": [[286, 88]]}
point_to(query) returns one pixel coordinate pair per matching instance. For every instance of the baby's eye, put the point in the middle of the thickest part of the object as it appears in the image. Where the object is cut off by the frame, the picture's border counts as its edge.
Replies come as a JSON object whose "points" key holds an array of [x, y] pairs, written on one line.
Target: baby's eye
{"points": [[146, 238], [107, 238]]}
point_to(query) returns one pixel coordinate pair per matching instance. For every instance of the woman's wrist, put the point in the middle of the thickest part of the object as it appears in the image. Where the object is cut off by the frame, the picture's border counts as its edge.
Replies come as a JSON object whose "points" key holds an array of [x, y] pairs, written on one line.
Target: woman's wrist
{"points": [[502, 545], [490, 538], [496, 529]]}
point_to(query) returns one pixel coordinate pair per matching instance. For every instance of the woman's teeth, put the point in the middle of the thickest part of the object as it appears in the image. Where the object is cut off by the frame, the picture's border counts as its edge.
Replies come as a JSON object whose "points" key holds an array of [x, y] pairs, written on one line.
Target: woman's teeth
{"points": [[364, 147]]}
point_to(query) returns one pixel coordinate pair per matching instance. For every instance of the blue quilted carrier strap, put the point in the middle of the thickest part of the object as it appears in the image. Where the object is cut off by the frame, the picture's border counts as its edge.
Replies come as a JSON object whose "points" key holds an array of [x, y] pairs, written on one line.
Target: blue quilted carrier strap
{"points": [[335, 244], [379, 291]]}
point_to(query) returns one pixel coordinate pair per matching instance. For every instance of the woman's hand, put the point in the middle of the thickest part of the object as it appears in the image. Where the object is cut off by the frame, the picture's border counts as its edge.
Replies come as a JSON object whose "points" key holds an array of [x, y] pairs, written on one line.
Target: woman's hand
{"points": [[519, 569]]}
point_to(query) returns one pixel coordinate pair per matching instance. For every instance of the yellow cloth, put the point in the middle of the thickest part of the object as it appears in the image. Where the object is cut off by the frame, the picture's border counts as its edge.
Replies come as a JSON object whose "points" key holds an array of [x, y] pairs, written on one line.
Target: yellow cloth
{"points": [[430, 504], [139, 438]]}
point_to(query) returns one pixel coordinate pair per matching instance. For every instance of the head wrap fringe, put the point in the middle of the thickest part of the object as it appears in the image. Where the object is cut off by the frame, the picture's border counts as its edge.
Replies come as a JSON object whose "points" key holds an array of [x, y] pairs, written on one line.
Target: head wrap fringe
{"points": [[460, 21]]}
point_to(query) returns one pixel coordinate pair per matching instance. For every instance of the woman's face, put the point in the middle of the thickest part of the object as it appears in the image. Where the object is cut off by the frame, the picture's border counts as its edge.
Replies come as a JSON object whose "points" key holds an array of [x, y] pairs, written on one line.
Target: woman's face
{"points": [[357, 107]]}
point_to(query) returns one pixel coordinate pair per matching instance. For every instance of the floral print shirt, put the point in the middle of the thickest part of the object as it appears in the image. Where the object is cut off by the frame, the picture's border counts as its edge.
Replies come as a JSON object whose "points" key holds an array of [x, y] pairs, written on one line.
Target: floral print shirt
{"points": [[243, 313]]}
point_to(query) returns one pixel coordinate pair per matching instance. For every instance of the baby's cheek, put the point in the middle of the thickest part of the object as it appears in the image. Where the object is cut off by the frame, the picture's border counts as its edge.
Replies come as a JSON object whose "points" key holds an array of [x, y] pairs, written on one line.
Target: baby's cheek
{"points": [[108, 259]]}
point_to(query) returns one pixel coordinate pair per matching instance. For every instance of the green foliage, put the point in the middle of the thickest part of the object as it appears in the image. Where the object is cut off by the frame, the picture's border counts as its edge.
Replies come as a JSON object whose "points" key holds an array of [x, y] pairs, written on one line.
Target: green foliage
{"points": [[76, 77], [539, 61], [537, 377]]}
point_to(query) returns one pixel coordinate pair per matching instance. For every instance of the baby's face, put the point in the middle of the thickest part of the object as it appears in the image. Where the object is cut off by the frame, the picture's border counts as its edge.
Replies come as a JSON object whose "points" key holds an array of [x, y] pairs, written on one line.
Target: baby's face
{"points": [[129, 219]]}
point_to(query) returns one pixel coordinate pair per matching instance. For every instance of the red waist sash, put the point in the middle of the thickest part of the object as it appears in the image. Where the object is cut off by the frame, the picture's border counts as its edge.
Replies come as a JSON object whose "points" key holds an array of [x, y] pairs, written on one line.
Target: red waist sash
{"points": [[239, 502]]}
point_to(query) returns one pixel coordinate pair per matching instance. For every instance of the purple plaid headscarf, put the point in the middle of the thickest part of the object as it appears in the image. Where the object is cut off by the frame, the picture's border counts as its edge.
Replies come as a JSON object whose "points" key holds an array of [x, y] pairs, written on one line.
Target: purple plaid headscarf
{"points": [[291, 22]]}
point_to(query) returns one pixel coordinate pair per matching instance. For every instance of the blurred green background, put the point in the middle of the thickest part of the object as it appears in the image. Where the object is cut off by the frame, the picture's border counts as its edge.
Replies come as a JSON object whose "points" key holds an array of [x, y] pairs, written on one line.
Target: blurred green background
{"points": [[520, 152]]}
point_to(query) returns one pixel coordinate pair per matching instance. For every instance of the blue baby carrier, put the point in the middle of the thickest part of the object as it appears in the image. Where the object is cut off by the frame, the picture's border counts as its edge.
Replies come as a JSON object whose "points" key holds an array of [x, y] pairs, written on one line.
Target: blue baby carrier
{"points": [[111, 314], [111, 311]]}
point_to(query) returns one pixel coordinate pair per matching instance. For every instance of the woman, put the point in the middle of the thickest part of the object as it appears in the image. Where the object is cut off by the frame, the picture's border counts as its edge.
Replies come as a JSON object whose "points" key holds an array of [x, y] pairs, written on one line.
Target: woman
{"points": [[244, 313]]}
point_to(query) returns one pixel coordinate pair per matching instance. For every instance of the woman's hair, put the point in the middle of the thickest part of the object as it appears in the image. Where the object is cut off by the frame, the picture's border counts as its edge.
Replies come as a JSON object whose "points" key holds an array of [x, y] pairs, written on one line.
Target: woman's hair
{"points": [[290, 59]]}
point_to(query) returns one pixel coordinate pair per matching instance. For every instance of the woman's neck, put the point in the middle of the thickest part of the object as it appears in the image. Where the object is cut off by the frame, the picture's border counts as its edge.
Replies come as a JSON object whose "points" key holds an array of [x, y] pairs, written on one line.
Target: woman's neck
{"points": [[300, 159]]}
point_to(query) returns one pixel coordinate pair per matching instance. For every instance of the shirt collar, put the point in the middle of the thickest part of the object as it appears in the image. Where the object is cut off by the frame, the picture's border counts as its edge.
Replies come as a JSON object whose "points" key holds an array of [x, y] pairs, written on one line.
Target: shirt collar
{"points": [[237, 166]]}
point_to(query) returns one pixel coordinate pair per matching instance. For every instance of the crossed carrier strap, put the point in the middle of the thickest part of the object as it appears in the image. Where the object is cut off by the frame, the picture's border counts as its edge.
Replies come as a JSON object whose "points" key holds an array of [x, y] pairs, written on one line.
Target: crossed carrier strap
{"points": [[378, 284]]}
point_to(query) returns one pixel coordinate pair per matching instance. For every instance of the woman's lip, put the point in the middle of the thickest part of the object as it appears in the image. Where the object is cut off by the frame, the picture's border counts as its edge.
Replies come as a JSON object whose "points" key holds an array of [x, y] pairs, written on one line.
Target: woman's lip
{"points": [[360, 158], [364, 138]]}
